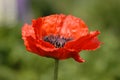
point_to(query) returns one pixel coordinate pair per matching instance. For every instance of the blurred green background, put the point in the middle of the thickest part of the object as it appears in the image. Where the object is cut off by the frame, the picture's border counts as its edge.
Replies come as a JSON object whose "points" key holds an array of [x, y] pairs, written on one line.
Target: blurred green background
{"points": [[18, 64]]}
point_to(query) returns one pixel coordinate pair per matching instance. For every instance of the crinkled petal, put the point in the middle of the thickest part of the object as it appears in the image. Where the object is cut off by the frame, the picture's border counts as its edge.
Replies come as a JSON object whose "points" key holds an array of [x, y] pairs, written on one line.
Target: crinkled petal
{"points": [[32, 43], [36, 25], [27, 30], [52, 24], [92, 44], [33, 46], [73, 27], [65, 26], [88, 42], [48, 25]]}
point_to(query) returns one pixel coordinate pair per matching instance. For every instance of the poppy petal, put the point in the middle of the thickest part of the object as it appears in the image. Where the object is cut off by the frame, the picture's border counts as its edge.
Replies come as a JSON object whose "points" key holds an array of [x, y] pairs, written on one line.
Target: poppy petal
{"points": [[73, 27], [30, 41], [36, 24], [46, 46], [65, 26], [27, 30], [77, 58], [92, 44], [30, 44], [62, 53], [48, 25], [59, 53], [88, 42], [38, 48]]}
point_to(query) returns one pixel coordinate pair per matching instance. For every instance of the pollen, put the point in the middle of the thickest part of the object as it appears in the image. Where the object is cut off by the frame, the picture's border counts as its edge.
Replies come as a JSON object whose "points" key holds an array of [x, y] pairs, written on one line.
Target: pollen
{"points": [[57, 40]]}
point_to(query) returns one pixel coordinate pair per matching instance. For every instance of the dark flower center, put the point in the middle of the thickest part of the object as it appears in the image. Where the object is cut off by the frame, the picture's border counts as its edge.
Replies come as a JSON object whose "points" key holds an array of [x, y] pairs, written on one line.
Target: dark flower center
{"points": [[57, 41]]}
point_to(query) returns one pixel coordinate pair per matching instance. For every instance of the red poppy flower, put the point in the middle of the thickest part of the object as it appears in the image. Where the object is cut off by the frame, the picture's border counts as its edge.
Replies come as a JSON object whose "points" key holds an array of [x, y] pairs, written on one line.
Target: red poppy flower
{"points": [[59, 36]]}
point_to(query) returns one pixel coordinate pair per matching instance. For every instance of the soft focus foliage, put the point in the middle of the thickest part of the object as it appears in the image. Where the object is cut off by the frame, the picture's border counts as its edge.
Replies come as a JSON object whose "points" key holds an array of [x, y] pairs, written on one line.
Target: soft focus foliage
{"points": [[103, 64]]}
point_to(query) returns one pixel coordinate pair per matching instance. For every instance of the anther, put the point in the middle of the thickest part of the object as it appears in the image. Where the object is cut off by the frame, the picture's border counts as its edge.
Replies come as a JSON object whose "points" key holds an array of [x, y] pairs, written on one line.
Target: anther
{"points": [[57, 41]]}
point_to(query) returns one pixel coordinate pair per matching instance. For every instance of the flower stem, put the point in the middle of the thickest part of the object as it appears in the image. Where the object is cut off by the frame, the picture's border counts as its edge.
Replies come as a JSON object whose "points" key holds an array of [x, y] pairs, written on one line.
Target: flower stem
{"points": [[56, 69]]}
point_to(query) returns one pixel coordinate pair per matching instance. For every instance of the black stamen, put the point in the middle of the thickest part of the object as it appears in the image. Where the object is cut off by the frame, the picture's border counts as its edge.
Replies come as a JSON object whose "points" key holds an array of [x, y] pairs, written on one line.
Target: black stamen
{"points": [[57, 41]]}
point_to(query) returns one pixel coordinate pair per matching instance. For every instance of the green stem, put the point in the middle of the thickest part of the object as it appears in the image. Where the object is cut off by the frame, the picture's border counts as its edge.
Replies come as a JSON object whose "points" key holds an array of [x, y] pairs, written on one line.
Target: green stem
{"points": [[56, 69]]}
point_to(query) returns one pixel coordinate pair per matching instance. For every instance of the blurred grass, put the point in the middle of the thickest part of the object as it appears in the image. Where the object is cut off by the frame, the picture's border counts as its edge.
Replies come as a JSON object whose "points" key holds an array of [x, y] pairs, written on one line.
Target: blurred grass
{"points": [[103, 64]]}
